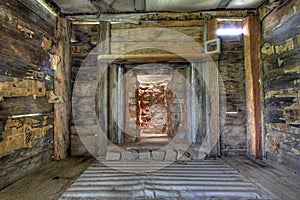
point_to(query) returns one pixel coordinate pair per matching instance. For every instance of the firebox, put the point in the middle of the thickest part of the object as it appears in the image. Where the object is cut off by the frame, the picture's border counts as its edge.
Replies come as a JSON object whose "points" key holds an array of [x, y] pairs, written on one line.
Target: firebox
{"points": [[155, 101]]}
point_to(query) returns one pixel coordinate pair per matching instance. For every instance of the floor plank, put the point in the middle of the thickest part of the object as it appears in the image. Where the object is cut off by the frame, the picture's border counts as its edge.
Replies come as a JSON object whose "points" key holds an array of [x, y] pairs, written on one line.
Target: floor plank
{"points": [[277, 181], [235, 173], [49, 182]]}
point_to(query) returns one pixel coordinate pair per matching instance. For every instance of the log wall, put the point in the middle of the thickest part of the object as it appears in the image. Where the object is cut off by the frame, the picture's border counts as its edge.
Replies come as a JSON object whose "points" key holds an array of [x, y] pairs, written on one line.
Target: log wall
{"points": [[232, 70], [85, 38], [27, 40], [280, 48], [231, 66], [123, 39]]}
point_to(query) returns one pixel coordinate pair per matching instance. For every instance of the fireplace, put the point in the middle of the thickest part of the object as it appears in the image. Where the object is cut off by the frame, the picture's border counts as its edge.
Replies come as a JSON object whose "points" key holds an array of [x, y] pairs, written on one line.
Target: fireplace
{"points": [[162, 106], [155, 109]]}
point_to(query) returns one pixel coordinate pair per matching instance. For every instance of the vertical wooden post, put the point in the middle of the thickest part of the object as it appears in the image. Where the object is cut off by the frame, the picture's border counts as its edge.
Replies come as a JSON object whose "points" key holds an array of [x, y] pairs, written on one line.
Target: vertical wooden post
{"points": [[213, 95], [62, 87], [253, 88], [121, 104], [102, 90], [112, 108], [188, 100]]}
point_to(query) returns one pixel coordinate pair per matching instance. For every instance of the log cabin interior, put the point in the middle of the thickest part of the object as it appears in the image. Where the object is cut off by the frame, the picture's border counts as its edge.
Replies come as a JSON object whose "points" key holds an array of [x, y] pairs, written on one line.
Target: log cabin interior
{"points": [[149, 99]]}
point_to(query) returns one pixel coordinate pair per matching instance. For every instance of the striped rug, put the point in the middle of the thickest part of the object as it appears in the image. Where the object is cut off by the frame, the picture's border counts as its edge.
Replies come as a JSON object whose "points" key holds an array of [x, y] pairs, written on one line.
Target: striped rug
{"points": [[207, 179]]}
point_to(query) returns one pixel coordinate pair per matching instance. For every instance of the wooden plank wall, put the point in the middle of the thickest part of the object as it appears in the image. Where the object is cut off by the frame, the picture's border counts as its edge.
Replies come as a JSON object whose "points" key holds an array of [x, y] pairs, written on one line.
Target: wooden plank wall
{"points": [[232, 71], [26, 80], [280, 49], [85, 38], [231, 67], [123, 38]]}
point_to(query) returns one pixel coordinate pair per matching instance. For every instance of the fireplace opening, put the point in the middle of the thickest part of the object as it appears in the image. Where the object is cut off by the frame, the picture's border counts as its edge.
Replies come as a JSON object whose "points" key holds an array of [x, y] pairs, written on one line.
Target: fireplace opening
{"points": [[155, 100], [153, 105]]}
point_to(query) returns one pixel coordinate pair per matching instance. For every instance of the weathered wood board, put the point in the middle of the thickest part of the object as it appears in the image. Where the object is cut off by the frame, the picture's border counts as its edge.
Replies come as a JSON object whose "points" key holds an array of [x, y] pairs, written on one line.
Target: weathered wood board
{"points": [[27, 40], [280, 48], [124, 38], [233, 137], [85, 39]]}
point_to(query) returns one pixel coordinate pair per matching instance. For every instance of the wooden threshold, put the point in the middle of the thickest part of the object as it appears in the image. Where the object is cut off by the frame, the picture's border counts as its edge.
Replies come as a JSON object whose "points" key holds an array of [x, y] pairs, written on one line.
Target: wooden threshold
{"points": [[157, 58]]}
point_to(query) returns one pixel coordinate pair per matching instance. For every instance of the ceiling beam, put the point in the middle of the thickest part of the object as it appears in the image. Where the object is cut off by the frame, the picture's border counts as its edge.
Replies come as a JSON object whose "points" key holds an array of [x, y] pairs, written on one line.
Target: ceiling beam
{"points": [[54, 6], [223, 4], [156, 58], [152, 16]]}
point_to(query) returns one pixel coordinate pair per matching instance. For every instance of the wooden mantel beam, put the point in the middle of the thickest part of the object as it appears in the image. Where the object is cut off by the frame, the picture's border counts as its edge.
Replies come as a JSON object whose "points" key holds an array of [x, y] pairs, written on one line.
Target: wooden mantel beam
{"points": [[156, 58]]}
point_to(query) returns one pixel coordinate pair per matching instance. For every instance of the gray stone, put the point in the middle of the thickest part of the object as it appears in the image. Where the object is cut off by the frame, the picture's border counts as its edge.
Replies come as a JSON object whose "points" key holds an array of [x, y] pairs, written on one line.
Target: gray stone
{"points": [[132, 101], [171, 155], [176, 108], [132, 126], [132, 119], [131, 94], [158, 155], [178, 100], [129, 155], [183, 155], [145, 155], [113, 155], [181, 135], [132, 108]]}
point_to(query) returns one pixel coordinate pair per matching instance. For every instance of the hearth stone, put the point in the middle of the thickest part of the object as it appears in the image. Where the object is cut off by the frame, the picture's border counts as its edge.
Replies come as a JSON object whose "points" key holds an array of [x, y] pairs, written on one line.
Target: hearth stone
{"points": [[158, 155]]}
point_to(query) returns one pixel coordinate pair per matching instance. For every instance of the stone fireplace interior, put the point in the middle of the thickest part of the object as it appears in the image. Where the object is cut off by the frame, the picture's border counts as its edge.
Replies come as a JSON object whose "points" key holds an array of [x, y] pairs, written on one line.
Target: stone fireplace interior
{"points": [[155, 109], [153, 105]]}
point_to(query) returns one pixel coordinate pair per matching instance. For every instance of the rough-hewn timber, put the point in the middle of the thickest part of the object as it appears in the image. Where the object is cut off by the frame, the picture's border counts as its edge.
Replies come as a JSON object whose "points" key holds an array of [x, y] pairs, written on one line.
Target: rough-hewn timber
{"points": [[232, 70], [48, 182], [27, 39], [253, 86], [84, 41], [280, 49], [62, 87]]}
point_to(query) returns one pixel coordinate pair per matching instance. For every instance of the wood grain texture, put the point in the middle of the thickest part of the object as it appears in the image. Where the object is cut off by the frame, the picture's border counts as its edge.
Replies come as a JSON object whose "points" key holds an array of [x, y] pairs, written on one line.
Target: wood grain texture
{"points": [[253, 87], [48, 182], [85, 39], [280, 49], [232, 70], [156, 58], [162, 24], [27, 38], [102, 103], [178, 36], [278, 181], [62, 87]]}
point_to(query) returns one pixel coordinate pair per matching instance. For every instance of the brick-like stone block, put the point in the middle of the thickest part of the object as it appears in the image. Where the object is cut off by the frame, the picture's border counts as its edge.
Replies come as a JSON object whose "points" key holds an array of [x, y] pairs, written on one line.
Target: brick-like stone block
{"points": [[176, 108], [129, 155], [145, 155], [158, 155], [171, 155], [113, 155]]}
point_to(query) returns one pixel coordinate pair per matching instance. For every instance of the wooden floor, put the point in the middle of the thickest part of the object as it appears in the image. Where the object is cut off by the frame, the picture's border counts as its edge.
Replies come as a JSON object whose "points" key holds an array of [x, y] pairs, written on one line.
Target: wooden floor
{"points": [[49, 182], [149, 179], [277, 181], [52, 180]]}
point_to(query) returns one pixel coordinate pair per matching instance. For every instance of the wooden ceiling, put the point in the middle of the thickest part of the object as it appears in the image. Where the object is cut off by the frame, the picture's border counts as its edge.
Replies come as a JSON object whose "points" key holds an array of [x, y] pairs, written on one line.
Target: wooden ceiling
{"points": [[79, 7]]}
